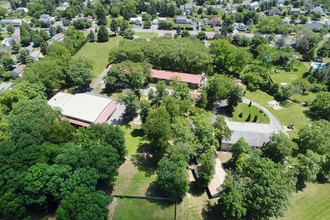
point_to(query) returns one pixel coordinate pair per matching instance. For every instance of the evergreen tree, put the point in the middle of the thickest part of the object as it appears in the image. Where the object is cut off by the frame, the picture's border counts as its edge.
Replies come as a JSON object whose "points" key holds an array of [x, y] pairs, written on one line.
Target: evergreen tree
{"points": [[114, 25], [102, 34], [91, 36]]}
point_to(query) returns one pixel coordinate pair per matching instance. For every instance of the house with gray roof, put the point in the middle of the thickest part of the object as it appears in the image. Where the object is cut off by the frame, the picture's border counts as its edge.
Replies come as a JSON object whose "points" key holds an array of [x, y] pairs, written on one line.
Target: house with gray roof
{"points": [[5, 86], [35, 55], [182, 20], [315, 26], [18, 71], [317, 10], [16, 35]]}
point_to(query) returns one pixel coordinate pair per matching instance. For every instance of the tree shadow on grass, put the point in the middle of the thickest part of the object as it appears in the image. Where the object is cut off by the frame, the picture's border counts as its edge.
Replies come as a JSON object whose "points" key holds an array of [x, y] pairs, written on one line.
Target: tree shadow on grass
{"points": [[211, 212], [195, 189], [154, 191], [137, 132], [144, 160]]}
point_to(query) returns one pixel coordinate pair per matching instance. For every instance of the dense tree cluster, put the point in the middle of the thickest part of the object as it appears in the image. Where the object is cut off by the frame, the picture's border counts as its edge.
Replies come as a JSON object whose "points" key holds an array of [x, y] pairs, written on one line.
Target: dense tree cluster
{"points": [[170, 54], [47, 163]]}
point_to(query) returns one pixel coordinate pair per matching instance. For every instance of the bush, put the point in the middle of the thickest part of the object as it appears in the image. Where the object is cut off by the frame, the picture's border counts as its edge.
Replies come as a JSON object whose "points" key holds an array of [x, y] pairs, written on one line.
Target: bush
{"points": [[250, 103], [255, 118], [240, 115], [248, 118]]}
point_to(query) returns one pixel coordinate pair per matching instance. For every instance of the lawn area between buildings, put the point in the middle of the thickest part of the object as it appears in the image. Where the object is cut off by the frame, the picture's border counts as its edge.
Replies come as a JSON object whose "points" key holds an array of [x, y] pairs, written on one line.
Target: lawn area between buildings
{"points": [[291, 113], [137, 177], [311, 204], [245, 113], [288, 77], [98, 53]]}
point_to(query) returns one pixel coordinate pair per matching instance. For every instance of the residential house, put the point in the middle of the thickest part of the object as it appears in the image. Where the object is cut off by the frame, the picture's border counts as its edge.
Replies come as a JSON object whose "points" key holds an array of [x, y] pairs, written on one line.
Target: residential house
{"points": [[14, 22], [45, 18], [35, 55], [241, 27], [18, 71], [56, 38], [281, 2], [317, 10], [309, 7], [16, 35], [274, 11], [182, 20], [22, 9], [254, 6], [315, 26], [63, 6], [5, 86], [286, 20], [294, 10], [136, 21], [187, 8]]}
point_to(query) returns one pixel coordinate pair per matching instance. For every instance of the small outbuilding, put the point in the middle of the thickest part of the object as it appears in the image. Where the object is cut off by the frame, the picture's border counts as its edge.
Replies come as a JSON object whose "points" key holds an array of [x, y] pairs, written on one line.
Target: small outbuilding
{"points": [[18, 71]]}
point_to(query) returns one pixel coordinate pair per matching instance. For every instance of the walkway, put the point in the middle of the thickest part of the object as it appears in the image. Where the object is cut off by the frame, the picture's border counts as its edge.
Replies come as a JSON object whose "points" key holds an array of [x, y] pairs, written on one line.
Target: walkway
{"points": [[273, 123]]}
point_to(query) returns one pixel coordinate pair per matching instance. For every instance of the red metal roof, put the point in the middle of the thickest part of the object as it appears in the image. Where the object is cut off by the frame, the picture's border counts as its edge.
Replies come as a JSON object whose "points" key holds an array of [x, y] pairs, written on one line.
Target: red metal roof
{"points": [[182, 77], [77, 122], [107, 112]]}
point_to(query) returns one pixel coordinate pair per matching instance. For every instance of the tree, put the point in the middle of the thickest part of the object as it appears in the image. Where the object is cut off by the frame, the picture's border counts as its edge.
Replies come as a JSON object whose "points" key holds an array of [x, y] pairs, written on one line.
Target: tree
{"points": [[83, 204], [7, 63], [92, 36], [201, 35], [79, 72], [278, 148], [158, 129], [10, 29], [206, 169], [256, 41], [101, 15], [129, 34], [309, 166], [161, 91], [23, 56], [131, 102], [115, 11], [222, 131], [114, 25], [123, 27], [239, 151], [181, 91], [102, 34], [204, 132], [172, 178], [231, 203], [128, 9], [306, 42], [29, 119], [15, 46], [320, 107], [185, 33]]}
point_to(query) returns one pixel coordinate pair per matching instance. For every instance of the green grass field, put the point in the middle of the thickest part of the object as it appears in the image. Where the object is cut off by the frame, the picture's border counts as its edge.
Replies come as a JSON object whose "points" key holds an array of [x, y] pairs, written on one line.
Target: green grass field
{"points": [[128, 209], [292, 113], [311, 204], [289, 77], [242, 112], [98, 53]]}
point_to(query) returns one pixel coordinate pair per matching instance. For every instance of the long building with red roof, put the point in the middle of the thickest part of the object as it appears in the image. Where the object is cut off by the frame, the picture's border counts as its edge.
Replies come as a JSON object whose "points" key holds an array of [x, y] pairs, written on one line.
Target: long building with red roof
{"points": [[193, 80]]}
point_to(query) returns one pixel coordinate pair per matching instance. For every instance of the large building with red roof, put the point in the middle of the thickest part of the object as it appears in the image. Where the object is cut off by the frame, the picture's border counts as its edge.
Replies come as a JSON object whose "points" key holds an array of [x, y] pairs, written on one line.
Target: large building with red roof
{"points": [[194, 81], [83, 109]]}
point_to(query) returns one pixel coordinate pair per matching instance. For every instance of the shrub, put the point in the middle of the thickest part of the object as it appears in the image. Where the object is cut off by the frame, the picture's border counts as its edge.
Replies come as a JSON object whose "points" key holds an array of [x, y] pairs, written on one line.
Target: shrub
{"points": [[240, 115], [250, 103], [255, 118], [248, 118]]}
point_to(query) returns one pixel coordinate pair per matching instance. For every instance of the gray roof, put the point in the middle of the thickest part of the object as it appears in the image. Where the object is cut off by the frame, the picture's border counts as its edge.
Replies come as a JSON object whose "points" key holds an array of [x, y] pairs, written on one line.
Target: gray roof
{"points": [[314, 25], [34, 54], [16, 34], [5, 86], [57, 37], [255, 134], [317, 10], [19, 69]]}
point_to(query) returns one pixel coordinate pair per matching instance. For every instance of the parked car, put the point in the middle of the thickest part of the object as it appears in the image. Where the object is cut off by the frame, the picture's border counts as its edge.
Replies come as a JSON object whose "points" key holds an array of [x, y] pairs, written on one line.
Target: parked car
{"points": [[318, 59]]}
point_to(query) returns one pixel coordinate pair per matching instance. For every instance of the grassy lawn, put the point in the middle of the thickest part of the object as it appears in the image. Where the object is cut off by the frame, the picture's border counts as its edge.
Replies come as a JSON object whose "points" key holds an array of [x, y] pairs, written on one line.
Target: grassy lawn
{"points": [[143, 209], [99, 53], [311, 204], [292, 113], [289, 77], [245, 113], [146, 35]]}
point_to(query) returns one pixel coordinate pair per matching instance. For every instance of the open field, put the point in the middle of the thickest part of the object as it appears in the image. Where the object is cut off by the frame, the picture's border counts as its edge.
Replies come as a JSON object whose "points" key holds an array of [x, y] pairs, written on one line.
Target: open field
{"points": [[243, 111], [311, 204], [137, 176], [289, 77], [128, 209], [98, 53], [292, 113]]}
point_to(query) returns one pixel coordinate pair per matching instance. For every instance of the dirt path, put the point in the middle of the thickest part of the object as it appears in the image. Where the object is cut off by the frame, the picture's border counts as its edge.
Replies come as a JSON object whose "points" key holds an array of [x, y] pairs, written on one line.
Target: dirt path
{"points": [[112, 207]]}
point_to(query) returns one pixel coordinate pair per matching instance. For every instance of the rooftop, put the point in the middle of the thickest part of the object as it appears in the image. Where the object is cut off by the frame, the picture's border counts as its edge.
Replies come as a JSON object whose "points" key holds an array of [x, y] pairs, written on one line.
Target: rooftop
{"points": [[19, 68], [256, 134], [83, 107], [183, 77]]}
